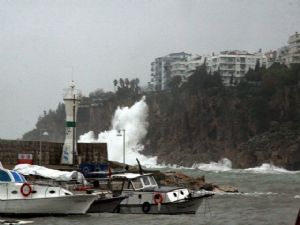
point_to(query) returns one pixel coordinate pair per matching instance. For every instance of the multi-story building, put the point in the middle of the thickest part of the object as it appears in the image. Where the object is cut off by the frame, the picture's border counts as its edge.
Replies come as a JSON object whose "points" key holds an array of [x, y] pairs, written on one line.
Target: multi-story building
{"points": [[290, 54], [271, 57], [233, 65], [193, 63], [166, 67], [163, 69]]}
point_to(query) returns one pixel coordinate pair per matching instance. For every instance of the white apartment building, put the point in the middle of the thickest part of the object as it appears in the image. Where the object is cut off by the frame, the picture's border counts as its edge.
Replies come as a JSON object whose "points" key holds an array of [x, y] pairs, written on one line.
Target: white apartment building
{"points": [[186, 68], [166, 67], [290, 54], [233, 65], [175, 64], [193, 63]]}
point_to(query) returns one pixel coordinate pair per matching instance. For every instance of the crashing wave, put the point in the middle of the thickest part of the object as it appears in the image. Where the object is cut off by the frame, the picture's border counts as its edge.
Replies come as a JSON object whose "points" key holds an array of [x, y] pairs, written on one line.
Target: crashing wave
{"points": [[222, 165], [132, 121]]}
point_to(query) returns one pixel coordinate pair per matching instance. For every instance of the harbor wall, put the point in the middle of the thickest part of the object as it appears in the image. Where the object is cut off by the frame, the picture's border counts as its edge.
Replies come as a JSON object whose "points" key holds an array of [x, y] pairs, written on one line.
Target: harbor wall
{"points": [[51, 152]]}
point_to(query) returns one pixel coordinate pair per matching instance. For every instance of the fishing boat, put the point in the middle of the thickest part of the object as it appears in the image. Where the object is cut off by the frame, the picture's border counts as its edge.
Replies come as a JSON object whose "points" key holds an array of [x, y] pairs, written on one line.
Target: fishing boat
{"points": [[18, 197], [145, 196]]}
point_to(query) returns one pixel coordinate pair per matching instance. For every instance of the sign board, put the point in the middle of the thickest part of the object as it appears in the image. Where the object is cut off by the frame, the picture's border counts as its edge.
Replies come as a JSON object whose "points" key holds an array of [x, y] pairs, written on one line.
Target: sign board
{"points": [[24, 158]]}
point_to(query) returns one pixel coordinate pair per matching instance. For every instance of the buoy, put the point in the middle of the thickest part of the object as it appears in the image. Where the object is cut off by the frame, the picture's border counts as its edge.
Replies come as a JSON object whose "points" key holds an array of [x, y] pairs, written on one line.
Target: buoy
{"points": [[25, 189]]}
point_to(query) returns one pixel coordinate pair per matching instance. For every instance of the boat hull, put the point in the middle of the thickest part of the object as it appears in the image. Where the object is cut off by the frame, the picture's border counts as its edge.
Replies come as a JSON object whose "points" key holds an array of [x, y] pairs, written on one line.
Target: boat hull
{"points": [[62, 205], [187, 206], [108, 205]]}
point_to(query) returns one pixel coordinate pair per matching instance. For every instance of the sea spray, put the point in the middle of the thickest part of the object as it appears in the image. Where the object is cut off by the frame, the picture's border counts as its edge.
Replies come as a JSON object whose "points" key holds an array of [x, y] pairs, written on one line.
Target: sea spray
{"points": [[268, 168], [134, 121], [222, 165], [225, 165]]}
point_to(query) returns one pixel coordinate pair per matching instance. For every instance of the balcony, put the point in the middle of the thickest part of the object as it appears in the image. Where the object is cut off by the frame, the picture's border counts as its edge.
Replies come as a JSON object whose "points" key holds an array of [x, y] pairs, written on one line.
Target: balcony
{"points": [[294, 38]]}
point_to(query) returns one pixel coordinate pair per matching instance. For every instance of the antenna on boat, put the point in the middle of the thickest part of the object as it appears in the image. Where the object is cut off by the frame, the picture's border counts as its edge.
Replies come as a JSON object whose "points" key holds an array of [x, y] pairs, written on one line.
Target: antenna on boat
{"points": [[140, 167]]}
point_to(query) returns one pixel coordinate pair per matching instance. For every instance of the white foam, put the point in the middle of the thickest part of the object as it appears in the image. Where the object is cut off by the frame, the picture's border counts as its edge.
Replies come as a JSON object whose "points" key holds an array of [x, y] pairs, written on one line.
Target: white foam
{"points": [[225, 165], [260, 193], [222, 165], [269, 168], [297, 196], [250, 194], [134, 121]]}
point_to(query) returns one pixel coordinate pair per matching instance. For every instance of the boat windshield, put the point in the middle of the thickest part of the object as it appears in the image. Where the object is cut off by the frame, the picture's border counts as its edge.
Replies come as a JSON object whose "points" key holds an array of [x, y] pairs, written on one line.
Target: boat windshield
{"points": [[11, 176], [149, 181], [146, 181], [137, 184], [4, 176], [127, 185], [152, 181], [18, 177]]}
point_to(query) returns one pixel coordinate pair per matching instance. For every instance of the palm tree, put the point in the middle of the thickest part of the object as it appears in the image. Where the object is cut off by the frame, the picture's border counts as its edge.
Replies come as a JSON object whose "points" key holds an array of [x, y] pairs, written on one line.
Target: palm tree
{"points": [[137, 81], [121, 82], [132, 84], [126, 82], [115, 84]]}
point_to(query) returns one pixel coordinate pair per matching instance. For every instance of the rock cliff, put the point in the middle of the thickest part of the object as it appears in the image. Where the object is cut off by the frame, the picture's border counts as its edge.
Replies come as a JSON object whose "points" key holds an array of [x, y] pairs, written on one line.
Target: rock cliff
{"points": [[208, 125]]}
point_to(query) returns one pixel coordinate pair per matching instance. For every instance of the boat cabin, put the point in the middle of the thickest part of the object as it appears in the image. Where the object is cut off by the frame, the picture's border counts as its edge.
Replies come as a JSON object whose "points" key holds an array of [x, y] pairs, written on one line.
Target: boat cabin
{"points": [[133, 182]]}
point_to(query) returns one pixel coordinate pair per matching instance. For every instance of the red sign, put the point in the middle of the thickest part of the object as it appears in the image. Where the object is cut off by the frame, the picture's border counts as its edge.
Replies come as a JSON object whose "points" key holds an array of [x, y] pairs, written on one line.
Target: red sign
{"points": [[24, 158]]}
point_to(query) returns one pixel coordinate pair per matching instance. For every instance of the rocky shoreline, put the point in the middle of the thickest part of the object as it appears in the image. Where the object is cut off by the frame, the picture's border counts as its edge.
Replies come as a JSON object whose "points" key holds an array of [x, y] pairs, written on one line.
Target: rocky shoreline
{"points": [[176, 178], [180, 179]]}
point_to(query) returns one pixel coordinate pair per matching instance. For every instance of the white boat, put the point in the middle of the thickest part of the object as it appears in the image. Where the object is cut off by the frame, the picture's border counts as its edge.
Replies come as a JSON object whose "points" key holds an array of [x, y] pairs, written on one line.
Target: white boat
{"points": [[104, 201], [18, 197], [145, 196]]}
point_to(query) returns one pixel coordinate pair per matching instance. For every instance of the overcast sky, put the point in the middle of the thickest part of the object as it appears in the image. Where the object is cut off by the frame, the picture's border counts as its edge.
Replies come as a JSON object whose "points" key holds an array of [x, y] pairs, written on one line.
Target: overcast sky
{"points": [[42, 40]]}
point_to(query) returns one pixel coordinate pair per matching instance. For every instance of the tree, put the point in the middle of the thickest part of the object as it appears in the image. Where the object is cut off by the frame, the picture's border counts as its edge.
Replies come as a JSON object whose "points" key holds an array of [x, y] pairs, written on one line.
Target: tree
{"points": [[122, 83], [127, 82], [137, 81], [201, 79], [132, 84], [231, 80], [257, 65], [98, 93], [174, 82], [115, 82], [254, 75]]}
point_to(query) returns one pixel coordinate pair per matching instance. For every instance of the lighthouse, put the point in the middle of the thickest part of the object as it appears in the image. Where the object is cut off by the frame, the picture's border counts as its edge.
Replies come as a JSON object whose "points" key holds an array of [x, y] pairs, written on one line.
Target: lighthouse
{"points": [[71, 100]]}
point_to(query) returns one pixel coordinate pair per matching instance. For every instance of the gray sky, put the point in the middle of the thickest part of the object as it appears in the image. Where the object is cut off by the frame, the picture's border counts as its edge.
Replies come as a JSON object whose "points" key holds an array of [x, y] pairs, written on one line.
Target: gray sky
{"points": [[41, 40]]}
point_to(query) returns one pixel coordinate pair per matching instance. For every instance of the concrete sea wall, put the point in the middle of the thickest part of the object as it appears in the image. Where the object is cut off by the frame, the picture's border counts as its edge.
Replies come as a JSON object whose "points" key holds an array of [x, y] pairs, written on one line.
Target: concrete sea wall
{"points": [[51, 152]]}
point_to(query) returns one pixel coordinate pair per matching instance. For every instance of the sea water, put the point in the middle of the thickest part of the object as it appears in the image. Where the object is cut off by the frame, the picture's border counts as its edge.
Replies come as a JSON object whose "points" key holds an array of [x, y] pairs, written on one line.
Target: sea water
{"points": [[267, 195]]}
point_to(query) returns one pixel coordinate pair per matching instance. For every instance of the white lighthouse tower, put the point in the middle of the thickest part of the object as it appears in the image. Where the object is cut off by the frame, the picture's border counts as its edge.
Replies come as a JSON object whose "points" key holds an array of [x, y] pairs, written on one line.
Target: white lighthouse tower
{"points": [[71, 99]]}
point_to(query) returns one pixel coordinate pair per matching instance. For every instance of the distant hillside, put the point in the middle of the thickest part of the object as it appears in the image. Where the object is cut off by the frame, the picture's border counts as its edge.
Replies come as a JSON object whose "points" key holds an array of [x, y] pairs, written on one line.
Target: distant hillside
{"points": [[255, 122]]}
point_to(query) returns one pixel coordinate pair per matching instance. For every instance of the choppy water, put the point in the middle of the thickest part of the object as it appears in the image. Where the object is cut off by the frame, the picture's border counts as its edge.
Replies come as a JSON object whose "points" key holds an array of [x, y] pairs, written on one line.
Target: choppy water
{"points": [[266, 198]]}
